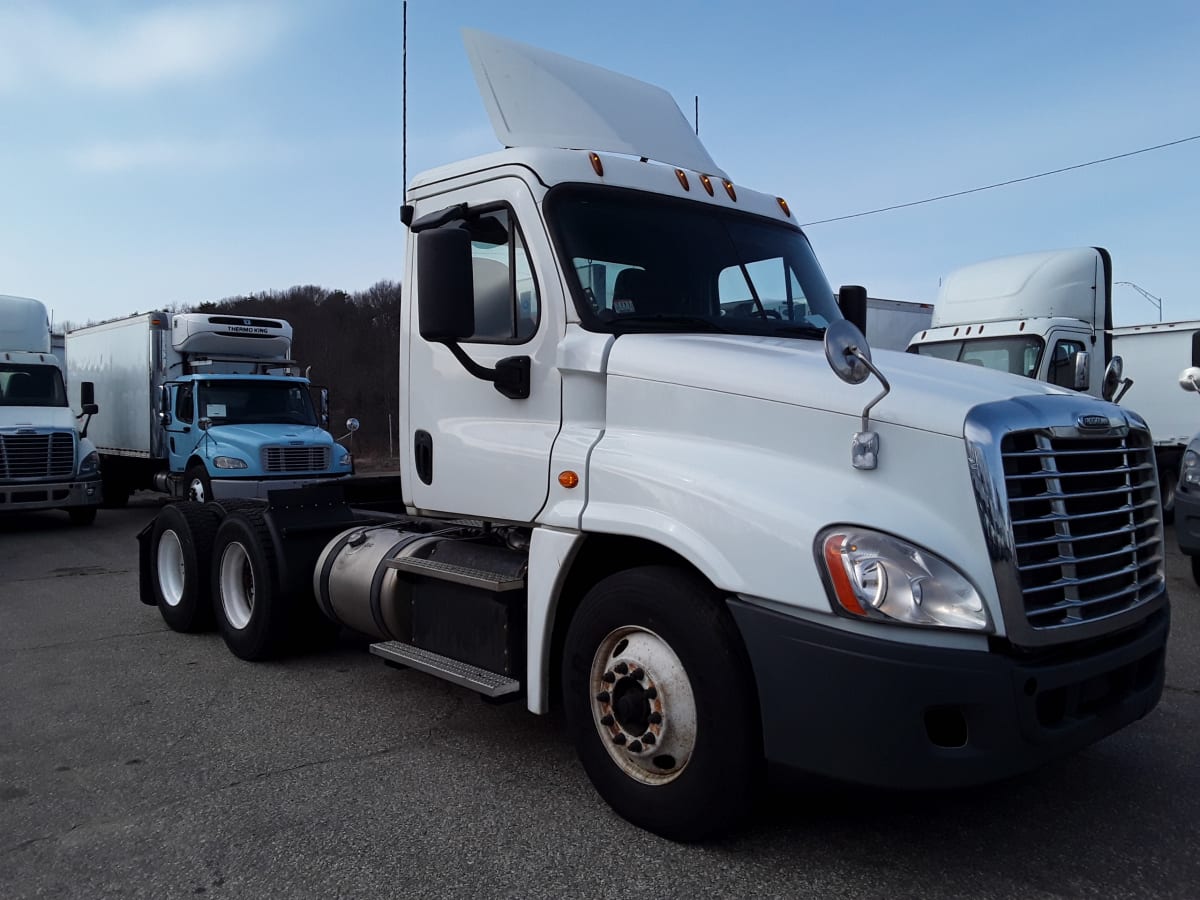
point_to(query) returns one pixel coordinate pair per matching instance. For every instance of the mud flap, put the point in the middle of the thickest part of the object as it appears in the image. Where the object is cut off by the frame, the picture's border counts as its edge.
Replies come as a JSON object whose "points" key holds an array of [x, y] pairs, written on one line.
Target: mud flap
{"points": [[145, 576]]}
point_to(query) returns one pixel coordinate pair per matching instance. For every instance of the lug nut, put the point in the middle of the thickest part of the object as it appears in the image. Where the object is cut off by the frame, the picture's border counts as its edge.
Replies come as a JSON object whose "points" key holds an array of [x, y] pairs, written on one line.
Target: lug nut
{"points": [[619, 740], [621, 669], [608, 677], [603, 696], [649, 739], [607, 721], [651, 693], [635, 747], [655, 718], [637, 674]]}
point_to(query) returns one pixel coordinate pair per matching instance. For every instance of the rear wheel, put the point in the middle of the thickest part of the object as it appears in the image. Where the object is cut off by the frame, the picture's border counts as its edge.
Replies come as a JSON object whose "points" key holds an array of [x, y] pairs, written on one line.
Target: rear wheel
{"points": [[180, 550], [253, 615], [660, 700]]}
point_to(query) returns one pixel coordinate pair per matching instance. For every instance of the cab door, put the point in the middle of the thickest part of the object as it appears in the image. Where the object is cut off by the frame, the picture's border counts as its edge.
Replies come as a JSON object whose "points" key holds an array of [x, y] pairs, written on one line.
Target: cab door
{"points": [[472, 451], [182, 433]]}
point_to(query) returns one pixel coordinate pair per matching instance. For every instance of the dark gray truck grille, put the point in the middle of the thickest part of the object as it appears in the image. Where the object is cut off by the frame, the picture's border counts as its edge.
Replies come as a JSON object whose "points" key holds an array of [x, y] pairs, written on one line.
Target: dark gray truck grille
{"points": [[295, 459], [36, 456], [1085, 524]]}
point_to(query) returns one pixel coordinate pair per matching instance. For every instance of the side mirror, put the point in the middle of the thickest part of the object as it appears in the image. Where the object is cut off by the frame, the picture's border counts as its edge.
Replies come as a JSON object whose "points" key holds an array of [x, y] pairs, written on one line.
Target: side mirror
{"points": [[1112, 378], [324, 406], [445, 285], [87, 395], [1083, 370], [1189, 379], [90, 409], [852, 301], [352, 425], [204, 424]]}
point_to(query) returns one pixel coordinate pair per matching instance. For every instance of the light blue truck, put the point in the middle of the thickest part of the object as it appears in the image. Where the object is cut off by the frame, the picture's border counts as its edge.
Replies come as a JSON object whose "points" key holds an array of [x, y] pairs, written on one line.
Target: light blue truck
{"points": [[202, 406]]}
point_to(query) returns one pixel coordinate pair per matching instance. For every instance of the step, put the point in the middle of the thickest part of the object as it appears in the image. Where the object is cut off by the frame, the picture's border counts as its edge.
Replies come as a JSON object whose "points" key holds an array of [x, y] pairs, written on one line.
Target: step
{"points": [[490, 684], [480, 578]]}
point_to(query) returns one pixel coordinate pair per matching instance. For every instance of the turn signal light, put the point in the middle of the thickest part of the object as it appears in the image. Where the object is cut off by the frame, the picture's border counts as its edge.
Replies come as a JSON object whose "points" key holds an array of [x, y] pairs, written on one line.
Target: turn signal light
{"points": [[568, 479]]}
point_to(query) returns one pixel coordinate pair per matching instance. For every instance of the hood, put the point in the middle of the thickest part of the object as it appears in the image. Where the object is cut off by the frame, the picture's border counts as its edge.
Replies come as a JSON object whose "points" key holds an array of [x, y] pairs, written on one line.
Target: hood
{"points": [[929, 394], [57, 417], [251, 438]]}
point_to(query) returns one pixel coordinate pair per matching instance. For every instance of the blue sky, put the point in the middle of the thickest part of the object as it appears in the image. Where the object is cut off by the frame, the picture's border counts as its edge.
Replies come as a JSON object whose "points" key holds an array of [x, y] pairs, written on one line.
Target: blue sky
{"points": [[155, 153]]}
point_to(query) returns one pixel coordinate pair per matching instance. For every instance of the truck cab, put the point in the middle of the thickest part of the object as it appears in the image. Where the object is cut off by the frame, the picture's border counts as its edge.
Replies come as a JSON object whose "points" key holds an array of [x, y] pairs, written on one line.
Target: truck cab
{"points": [[46, 462]]}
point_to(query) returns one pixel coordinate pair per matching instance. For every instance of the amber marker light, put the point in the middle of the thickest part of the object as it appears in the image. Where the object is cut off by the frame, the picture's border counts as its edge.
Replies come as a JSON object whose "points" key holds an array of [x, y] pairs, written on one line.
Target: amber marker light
{"points": [[568, 479], [783, 205], [729, 190], [707, 182], [836, 566], [682, 176], [597, 166]]}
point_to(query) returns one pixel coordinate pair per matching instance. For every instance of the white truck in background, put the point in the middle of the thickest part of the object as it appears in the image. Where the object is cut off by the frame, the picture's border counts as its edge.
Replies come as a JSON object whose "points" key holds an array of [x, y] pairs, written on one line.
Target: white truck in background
{"points": [[202, 405], [891, 324], [630, 492], [45, 461], [1048, 316]]}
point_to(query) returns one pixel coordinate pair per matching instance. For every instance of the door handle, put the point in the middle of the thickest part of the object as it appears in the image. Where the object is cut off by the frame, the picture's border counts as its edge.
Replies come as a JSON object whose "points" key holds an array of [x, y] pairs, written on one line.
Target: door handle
{"points": [[423, 455]]}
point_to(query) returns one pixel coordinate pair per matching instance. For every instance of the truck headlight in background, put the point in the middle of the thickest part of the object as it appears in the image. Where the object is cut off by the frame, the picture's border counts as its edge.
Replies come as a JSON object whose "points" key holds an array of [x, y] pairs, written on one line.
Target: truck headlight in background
{"points": [[1189, 469], [347, 461], [878, 577], [90, 463], [228, 462]]}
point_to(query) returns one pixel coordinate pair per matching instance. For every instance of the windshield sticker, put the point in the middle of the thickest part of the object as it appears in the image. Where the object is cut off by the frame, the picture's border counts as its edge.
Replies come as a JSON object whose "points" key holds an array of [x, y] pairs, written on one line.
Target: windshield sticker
{"points": [[215, 410], [623, 307]]}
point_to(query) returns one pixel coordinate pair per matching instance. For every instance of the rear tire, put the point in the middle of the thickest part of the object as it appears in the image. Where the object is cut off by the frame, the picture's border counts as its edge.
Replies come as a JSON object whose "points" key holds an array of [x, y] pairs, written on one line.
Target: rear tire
{"points": [[180, 549], [82, 515], [660, 700], [252, 614]]}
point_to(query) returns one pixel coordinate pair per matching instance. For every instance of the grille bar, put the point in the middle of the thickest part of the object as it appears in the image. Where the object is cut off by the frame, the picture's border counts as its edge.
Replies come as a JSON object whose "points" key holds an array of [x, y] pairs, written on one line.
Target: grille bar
{"points": [[1050, 473], [1077, 560], [1062, 495], [1099, 535], [1058, 609], [295, 459], [1056, 517]]}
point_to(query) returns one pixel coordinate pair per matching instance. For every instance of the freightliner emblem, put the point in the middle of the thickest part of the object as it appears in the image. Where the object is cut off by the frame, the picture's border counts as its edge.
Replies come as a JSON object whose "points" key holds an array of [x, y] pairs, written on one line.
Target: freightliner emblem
{"points": [[1093, 422]]}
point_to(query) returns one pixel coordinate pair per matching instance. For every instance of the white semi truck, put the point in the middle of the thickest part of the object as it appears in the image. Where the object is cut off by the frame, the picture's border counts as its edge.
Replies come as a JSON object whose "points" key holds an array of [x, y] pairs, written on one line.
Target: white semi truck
{"points": [[202, 405], [46, 462], [714, 537], [1048, 316]]}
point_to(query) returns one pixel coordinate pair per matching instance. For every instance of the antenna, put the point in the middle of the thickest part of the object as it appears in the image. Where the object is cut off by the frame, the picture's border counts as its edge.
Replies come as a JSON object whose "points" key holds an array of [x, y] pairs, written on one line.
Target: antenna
{"points": [[697, 119], [404, 106]]}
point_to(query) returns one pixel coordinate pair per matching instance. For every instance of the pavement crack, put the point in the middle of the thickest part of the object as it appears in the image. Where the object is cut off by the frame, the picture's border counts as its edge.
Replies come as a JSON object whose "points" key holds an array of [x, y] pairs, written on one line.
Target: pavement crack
{"points": [[1195, 692], [287, 770], [86, 641]]}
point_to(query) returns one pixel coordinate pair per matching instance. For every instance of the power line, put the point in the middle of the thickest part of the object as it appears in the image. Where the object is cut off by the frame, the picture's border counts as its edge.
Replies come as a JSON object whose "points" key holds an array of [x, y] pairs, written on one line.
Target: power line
{"points": [[988, 187]]}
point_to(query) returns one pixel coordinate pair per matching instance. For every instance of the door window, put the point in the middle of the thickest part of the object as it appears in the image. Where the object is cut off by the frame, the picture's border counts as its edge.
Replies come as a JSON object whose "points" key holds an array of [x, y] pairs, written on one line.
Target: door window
{"points": [[183, 403], [1062, 363], [507, 306]]}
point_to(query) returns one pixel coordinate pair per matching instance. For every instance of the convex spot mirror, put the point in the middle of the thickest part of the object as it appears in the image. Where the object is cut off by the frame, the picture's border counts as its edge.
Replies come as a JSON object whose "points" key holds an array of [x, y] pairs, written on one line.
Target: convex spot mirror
{"points": [[1189, 379], [842, 337], [352, 425], [1112, 378]]}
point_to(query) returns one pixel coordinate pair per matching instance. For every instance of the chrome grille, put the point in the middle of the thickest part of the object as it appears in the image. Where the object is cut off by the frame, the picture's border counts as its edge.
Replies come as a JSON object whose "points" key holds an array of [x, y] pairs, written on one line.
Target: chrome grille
{"points": [[1085, 523], [37, 455], [295, 459]]}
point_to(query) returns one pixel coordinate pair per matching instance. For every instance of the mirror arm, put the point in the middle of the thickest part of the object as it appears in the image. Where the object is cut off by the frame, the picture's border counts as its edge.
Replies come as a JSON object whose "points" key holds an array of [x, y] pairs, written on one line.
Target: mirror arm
{"points": [[1126, 384], [510, 377]]}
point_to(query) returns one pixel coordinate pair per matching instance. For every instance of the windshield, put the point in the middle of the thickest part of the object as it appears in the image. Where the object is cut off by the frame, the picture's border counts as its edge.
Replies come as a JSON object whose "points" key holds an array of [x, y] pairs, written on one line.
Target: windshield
{"points": [[639, 262], [31, 385], [1018, 355], [256, 402]]}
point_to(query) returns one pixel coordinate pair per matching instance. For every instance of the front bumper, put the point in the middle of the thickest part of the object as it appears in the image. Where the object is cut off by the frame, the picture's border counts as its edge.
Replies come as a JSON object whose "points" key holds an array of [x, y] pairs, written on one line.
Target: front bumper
{"points": [[258, 488], [907, 716], [18, 497], [1187, 521]]}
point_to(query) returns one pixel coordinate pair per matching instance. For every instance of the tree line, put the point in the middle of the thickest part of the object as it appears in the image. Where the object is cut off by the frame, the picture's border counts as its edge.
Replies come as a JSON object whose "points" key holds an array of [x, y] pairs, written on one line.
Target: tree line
{"points": [[350, 341]]}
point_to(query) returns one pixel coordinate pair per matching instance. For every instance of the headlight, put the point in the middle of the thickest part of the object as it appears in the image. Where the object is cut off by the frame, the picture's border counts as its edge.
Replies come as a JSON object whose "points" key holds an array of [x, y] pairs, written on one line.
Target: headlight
{"points": [[1189, 469], [346, 461], [878, 577], [228, 462], [90, 463]]}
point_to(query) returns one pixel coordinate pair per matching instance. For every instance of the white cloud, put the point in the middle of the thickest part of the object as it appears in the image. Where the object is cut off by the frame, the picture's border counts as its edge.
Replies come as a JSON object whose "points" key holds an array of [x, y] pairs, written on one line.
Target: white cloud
{"points": [[39, 45], [123, 156]]}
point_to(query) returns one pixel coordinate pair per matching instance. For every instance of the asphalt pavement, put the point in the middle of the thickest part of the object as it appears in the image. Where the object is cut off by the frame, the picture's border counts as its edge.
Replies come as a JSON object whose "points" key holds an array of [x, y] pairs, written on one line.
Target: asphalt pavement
{"points": [[137, 762]]}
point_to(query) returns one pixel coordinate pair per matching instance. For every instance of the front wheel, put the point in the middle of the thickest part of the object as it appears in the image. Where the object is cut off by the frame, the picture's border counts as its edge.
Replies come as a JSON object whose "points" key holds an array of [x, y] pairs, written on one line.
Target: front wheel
{"points": [[660, 700], [199, 485]]}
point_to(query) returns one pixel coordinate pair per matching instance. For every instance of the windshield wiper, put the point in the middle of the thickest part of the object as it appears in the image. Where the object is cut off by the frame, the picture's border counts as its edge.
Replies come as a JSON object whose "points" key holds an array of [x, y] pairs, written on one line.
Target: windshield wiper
{"points": [[671, 319]]}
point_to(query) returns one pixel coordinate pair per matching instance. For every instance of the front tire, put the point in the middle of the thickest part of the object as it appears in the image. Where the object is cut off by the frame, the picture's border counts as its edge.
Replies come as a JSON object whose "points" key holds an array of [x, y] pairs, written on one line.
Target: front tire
{"points": [[252, 614], [660, 700], [180, 549], [198, 484]]}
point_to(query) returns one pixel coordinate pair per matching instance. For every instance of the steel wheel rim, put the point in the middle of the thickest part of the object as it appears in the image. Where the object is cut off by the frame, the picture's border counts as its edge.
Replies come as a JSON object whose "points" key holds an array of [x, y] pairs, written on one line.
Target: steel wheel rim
{"points": [[196, 491], [237, 585], [169, 568], [643, 705]]}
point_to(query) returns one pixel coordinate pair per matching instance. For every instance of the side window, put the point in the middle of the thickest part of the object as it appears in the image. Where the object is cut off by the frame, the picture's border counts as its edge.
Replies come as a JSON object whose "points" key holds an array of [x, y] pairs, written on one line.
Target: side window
{"points": [[1062, 363], [507, 306], [183, 403]]}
